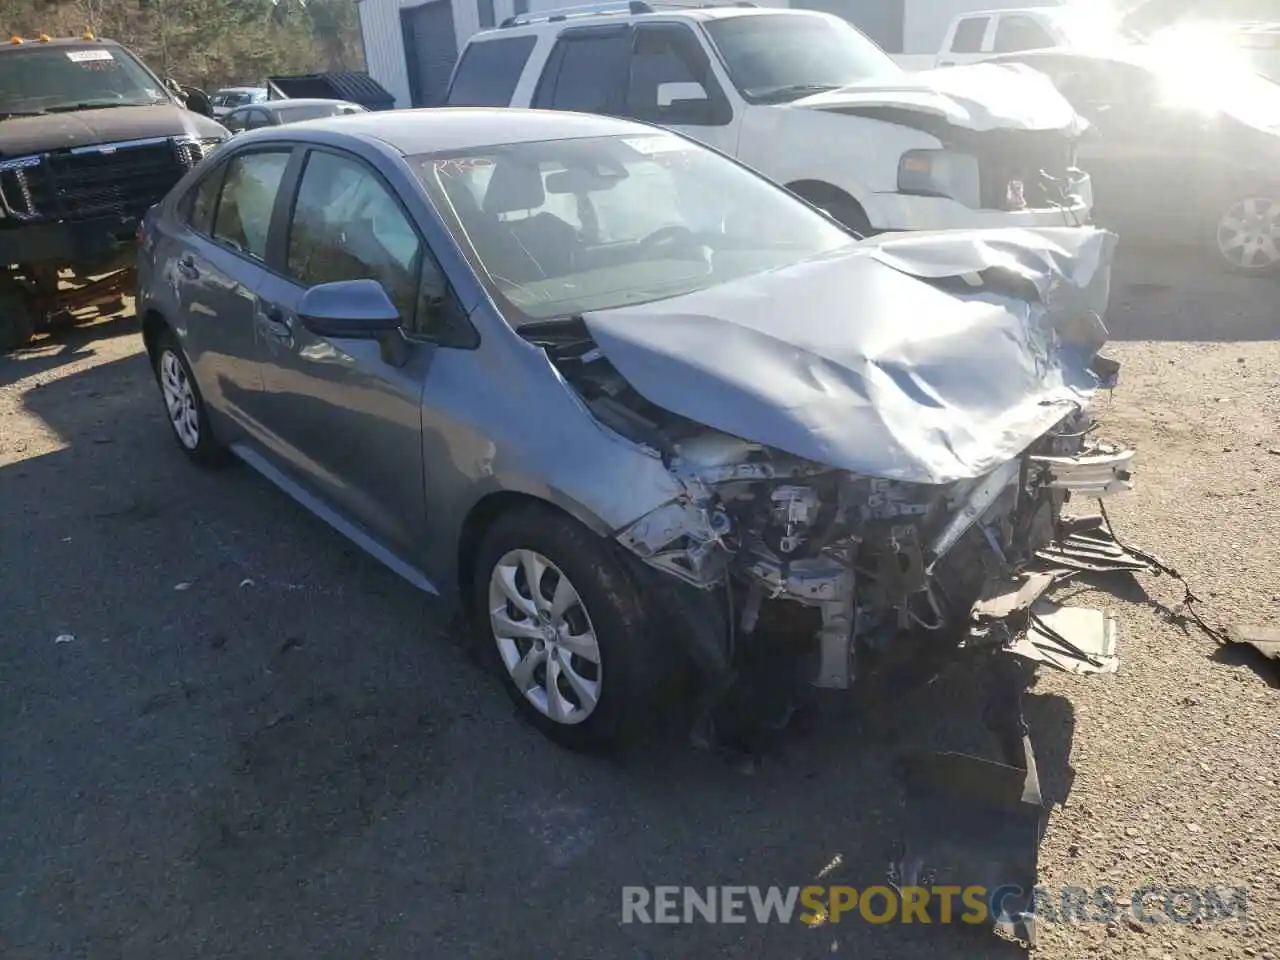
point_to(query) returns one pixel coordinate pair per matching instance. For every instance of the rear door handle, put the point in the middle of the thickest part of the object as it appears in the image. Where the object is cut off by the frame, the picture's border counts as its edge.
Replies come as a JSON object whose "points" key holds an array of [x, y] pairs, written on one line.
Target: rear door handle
{"points": [[274, 323], [187, 267]]}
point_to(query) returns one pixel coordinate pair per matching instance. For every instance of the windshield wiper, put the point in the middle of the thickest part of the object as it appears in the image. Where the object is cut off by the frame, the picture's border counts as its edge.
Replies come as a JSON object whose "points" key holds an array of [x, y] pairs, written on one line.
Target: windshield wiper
{"points": [[6, 114], [100, 105], [792, 91]]}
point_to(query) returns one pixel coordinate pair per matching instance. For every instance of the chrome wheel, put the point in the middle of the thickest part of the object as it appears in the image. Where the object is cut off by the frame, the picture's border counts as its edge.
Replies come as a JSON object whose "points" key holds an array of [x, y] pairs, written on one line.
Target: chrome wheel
{"points": [[180, 399], [1249, 234], [545, 636]]}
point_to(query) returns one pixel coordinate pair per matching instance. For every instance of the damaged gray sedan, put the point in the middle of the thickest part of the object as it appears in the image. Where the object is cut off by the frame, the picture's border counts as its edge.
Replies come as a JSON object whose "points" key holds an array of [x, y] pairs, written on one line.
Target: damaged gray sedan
{"points": [[639, 410]]}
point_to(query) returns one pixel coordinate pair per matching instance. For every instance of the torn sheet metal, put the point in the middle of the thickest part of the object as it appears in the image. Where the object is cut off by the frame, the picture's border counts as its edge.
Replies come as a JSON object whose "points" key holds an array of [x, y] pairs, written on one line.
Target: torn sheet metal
{"points": [[987, 96], [1071, 639], [1266, 640], [1086, 547], [1101, 471], [930, 359]]}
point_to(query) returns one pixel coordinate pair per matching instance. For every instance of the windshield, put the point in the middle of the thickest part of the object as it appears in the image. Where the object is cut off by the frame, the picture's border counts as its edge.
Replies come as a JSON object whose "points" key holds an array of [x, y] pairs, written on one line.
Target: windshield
{"points": [[780, 57], [560, 227], [50, 79]]}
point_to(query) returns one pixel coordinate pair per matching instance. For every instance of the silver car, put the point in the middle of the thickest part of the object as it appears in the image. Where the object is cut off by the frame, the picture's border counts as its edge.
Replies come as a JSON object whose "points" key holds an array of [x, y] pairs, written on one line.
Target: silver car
{"points": [[637, 411]]}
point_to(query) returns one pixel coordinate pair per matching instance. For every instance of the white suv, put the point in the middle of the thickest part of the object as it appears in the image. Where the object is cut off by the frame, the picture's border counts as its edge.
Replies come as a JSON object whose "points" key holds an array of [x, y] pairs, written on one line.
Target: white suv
{"points": [[808, 101]]}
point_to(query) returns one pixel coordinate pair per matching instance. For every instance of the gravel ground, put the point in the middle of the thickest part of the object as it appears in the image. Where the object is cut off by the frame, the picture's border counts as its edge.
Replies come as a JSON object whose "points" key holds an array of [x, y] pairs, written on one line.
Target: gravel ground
{"points": [[254, 741]]}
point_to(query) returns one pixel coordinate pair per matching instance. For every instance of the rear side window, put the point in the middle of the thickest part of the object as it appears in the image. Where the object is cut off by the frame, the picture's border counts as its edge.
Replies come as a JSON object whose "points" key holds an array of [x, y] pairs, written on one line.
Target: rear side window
{"points": [[1014, 33], [488, 73], [200, 203], [586, 72], [969, 34], [248, 197]]}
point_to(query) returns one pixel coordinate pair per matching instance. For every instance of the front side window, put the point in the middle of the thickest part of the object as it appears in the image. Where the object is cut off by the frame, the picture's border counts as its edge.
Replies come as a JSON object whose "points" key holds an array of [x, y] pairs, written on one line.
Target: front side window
{"points": [[774, 58], [255, 119], [969, 34], [47, 79], [246, 201], [488, 72], [591, 71], [669, 69], [1016, 32], [560, 227], [347, 226]]}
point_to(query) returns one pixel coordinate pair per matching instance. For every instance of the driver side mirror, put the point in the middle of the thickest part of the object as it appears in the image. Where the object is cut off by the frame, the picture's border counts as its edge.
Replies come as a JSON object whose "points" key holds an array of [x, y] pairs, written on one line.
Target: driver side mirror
{"points": [[355, 310], [684, 102]]}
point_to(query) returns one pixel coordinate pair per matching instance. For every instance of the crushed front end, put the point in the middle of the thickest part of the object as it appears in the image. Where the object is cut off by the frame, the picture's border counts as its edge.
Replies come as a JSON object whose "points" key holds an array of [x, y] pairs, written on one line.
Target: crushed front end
{"points": [[876, 484]]}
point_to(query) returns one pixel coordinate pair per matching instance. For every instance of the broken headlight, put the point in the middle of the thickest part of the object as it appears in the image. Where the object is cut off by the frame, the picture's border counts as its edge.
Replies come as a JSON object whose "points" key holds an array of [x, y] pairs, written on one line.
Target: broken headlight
{"points": [[941, 173]]}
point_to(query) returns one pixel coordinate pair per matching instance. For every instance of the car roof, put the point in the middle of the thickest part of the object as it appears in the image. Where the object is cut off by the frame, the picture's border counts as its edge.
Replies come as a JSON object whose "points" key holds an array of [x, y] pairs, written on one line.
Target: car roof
{"points": [[433, 129], [1054, 11], [304, 102], [549, 21], [238, 89]]}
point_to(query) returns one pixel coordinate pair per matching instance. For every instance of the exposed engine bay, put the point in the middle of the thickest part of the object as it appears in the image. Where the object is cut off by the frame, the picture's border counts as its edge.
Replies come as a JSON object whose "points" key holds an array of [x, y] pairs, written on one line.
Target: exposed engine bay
{"points": [[879, 561]]}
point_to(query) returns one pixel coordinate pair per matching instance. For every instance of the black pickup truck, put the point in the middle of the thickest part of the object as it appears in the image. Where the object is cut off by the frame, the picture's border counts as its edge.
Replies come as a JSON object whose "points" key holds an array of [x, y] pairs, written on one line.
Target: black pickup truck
{"points": [[89, 139]]}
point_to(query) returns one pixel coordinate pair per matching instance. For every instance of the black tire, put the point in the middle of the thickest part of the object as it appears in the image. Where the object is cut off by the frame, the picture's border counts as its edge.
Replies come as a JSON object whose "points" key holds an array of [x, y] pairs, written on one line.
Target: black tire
{"points": [[837, 205], [17, 323], [629, 656], [205, 451]]}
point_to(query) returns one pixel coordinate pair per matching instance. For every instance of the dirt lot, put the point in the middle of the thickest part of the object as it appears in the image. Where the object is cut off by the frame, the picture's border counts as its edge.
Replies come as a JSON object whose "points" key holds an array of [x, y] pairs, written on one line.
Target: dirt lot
{"points": [[225, 732]]}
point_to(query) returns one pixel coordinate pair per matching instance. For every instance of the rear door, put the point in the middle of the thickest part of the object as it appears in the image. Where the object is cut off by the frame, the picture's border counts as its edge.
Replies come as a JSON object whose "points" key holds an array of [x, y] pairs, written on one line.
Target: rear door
{"points": [[587, 71], [217, 269]]}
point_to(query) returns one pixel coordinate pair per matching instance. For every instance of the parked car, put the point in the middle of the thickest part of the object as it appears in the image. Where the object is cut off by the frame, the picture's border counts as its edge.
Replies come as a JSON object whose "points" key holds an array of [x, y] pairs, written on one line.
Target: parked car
{"points": [[621, 398], [1185, 150], [978, 34], [89, 138], [806, 99], [228, 98], [274, 113]]}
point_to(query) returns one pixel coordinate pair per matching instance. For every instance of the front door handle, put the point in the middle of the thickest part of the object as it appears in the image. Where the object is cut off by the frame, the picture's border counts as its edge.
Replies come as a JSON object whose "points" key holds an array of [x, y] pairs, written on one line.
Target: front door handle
{"points": [[187, 267]]}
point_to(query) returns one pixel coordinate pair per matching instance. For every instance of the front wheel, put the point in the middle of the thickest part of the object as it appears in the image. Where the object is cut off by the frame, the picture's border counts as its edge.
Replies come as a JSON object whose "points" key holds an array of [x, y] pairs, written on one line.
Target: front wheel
{"points": [[17, 319], [1247, 235], [565, 629]]}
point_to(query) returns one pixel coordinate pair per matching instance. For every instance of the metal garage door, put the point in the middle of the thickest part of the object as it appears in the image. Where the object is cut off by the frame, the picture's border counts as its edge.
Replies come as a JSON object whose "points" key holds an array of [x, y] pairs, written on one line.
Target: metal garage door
{"points": [[430, 49], [881, 20]]}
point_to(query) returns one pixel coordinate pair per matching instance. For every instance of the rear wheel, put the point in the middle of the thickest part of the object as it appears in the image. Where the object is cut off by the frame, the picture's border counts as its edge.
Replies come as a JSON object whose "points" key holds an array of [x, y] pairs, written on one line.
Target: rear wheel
{"points": [[183, 403], [564, 627], [1247, 235]]}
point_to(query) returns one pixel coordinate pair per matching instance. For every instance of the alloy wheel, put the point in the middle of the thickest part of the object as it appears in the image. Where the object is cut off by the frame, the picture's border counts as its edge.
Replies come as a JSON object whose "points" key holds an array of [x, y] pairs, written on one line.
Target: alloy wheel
{"points": [[545, 636], [180, 400], [1249, 234]]}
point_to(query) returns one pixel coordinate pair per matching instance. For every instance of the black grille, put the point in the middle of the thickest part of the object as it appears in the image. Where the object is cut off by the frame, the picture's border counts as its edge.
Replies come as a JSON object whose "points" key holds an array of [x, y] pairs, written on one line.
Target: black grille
{"points": [[121, 183], [1024, 155]]}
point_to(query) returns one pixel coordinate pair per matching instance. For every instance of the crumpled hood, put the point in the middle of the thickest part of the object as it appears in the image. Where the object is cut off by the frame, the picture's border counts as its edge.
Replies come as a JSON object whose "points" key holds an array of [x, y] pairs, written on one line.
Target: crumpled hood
{"points": [[22, 136], [884, 359], [984, 96]]}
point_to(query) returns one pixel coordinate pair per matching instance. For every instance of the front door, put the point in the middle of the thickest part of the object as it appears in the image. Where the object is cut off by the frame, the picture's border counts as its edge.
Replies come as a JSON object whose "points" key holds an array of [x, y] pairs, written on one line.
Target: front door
{"points": [[346, 423], [671, 83], [218, 271]]}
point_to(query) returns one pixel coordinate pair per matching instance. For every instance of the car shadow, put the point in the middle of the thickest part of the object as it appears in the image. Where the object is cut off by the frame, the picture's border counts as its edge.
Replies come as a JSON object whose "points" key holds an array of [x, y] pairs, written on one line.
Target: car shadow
{"points": [[1175, 294], [65, 343]]}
